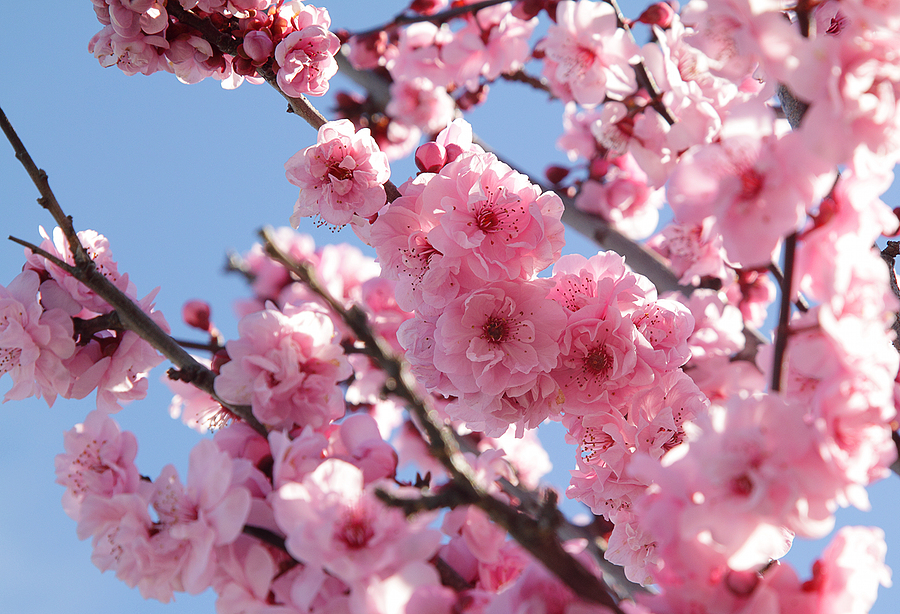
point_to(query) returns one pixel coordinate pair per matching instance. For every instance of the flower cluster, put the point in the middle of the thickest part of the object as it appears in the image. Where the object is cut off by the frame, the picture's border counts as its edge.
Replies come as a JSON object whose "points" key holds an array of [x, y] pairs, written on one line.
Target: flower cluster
{"points": [[143, 37]]}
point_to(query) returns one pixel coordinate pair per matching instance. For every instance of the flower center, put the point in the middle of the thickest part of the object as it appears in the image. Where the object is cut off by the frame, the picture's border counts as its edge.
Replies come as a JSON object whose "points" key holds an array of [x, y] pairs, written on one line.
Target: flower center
{"points": [[355, 530], [495, 330], [340, 173], [598, 361], [751, 183]]}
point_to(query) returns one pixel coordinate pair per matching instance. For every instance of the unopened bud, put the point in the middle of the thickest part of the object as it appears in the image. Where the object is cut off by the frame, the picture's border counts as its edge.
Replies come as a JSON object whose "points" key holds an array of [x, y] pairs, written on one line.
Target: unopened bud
{"points": [[555, 174], [431, 157], [196, 314], [660, 14]]}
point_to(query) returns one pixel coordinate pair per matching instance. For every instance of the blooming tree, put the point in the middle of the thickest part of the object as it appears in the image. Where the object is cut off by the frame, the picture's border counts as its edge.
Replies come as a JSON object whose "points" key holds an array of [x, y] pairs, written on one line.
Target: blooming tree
{"points": [[702, 446]]}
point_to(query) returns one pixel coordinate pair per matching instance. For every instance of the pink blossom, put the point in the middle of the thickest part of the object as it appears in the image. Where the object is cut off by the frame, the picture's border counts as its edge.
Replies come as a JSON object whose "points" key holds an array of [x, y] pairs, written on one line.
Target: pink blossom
{"points": [[34, 342], [693, 251], [305, 57], [623, 199], [209, 512], [497, 338], [419, 54], [287, 365], [98, 248], [846, 578], [421, 103], [132, 56], [492, 42], [341, 176], [115, 363], [602, 359], [493, 224], [331, 521], [99, 460], [588, 53]]}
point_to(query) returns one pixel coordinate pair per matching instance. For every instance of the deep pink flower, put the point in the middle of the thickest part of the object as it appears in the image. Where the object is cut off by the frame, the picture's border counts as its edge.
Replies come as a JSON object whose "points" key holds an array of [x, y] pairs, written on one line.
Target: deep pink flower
{"points": [[341, 176]]}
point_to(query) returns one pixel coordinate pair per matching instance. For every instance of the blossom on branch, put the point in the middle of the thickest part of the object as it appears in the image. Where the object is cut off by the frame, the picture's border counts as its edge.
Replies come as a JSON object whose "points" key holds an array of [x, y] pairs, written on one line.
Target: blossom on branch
{"points": [[340, 177]]}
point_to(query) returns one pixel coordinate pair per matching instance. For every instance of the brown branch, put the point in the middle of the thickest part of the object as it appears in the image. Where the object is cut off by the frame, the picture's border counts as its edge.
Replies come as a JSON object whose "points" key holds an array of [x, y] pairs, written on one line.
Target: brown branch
{"points": [[438, 18], [541, 541], [129, 313], [644, 78], [784, 315]]}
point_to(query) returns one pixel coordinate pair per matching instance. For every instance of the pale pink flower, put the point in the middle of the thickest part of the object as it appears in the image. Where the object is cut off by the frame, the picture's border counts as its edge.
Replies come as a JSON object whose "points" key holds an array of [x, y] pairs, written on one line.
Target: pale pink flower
{"points": [[34, 342], [188, 55], [588, 53], [193, 520], [341, 176], [305, 57], [115, 363], [332, 521], [623, 199], [132, 56], [419, 54], [693, 251], [757, 186], [846, 578], [97, 247], [99, 460], [498, 338], [421, 103], [196, 408], [286, 365], [492, 42]]}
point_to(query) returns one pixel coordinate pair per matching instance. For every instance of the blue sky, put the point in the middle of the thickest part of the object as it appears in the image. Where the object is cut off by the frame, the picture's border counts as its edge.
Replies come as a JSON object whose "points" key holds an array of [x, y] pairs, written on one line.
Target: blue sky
{"points": [[175, 176]]}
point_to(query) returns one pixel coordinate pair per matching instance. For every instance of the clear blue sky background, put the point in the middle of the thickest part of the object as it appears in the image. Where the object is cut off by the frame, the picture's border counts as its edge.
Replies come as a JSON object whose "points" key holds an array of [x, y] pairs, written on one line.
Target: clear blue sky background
{"points": [[175, 176]]}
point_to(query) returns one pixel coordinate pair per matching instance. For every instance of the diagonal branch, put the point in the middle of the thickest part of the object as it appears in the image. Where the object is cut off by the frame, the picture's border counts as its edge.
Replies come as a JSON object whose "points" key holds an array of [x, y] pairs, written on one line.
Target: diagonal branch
{"points": [[536, 537], [437, 18], [130, 314]]}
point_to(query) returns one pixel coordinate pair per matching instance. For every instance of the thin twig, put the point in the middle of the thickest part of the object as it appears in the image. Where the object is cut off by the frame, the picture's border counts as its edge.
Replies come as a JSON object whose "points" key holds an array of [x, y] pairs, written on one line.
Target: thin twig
{"points": [[404, 19], [644, 78], [800, 302], [784, 315]]}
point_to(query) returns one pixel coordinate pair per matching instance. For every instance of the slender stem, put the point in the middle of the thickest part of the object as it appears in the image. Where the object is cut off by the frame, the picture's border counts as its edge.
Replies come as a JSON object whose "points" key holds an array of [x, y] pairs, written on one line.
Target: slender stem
{"points": [[437, 18], [800, 303], [644, 78], [784, 315]]}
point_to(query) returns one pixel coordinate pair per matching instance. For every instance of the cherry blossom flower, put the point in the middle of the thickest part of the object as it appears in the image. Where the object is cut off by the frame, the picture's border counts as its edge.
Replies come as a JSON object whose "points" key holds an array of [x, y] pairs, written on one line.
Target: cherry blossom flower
{"points": [[286, 365], [305, 57], [341, 176], [497, 338], [33, 341], [99, 460], [331, 521], [588, 53]]}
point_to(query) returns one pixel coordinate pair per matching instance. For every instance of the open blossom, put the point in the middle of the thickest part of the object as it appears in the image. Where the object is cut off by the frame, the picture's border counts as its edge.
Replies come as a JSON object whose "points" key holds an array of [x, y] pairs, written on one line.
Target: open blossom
{"points": [[331, 520], [33, 341], [99, 460], [305, 57], [497, 338], [286, 365], [587, 53], [341, 175]]}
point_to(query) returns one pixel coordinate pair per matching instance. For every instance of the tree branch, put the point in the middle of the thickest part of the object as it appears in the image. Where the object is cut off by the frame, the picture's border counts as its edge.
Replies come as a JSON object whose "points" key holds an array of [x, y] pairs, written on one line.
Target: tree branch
{"points": [[130, 314], [541, 541], [784, 315], [438, 18]]}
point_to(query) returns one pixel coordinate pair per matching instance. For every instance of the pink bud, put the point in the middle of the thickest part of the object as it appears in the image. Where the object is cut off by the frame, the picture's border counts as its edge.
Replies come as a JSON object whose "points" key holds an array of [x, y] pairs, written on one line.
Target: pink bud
{"points": [[258, 46], [660, 14], [196, 314], [427, 7], [431, 157]]}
